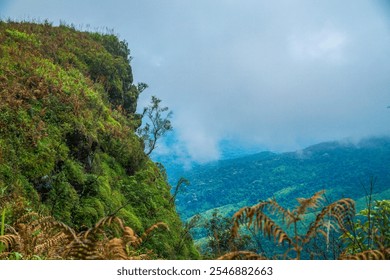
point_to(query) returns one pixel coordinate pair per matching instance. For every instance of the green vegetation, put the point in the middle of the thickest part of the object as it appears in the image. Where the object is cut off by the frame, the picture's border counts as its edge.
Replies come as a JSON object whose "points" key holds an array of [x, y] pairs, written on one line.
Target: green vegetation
{"points": [[219, 238], [371, 231], [76, 180], [340, 168], [68, 142]]}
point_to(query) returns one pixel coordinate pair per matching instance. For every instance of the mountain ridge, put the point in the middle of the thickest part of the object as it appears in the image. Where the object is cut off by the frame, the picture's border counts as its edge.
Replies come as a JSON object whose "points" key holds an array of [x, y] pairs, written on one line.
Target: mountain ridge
{"points": [[338, 166]]}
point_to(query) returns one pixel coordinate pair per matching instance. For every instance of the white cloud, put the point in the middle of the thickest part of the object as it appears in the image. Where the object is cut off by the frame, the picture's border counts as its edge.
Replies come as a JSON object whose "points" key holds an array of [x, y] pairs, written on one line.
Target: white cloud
{"points": [[326, 44], [201, 144], [278, 74]]}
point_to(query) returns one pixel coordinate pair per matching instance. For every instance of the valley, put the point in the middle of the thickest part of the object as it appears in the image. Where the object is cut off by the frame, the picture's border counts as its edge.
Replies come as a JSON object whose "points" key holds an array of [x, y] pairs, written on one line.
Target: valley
{"points": [[342, 169]]}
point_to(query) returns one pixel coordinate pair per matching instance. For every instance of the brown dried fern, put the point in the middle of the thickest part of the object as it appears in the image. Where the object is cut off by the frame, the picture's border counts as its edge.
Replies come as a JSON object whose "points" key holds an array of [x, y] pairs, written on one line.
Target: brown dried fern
{"points": [[34, 235], [369, 255], [10, 241], [147, 232], [245, 216], [262, 222], [83, 249], [306, 203], [101, 243], [116, 249], [269, 228], [340, 212], [241, 255]]}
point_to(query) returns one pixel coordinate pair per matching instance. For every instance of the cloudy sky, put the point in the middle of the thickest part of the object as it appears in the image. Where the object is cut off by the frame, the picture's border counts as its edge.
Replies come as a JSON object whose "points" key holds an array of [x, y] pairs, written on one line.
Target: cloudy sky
{"points": [[277, 75]]}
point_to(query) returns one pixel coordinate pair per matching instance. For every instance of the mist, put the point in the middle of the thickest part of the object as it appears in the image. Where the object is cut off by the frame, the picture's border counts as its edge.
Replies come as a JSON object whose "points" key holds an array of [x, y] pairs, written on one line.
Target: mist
{"points": [[266, 75]]}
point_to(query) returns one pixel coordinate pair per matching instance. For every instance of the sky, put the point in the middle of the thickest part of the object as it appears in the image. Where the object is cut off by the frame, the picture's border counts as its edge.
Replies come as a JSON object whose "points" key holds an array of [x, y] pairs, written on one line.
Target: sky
{"points": [[247, 74]]}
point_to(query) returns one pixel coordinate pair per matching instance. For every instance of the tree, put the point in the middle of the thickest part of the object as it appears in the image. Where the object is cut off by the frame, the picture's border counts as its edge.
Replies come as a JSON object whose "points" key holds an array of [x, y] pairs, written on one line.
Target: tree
{"points": [[369, 235], [183, 182], [156, 125], [219, 238]]}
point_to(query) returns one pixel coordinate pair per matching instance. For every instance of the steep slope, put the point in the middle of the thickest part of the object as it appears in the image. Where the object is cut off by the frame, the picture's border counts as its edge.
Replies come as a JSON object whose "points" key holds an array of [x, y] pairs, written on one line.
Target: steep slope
{"points": [[68, 146]]}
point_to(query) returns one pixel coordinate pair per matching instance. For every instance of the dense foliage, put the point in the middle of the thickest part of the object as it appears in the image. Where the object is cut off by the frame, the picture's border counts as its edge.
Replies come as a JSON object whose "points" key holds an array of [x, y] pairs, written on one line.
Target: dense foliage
{"points": [[313, 230], [76, 180], [342, 169], [68, 142], [371, 230]]}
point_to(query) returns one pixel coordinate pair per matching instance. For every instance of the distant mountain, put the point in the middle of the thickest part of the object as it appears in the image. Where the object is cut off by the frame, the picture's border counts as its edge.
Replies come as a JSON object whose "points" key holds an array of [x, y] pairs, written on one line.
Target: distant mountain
{"points": [[178, 160], [343, 169]]}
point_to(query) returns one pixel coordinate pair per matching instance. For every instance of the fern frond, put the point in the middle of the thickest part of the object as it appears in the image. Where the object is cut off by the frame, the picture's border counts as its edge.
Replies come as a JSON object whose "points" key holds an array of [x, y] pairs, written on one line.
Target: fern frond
{"points": [[130, 236], [148, 255], [99, 228], [98, 243], [153, 227], [238, 217], [241, 255], [261, 222], [277, 209], [369, 255], [311, 202], [116, 250], [10, 229], [341, 210], [27, 218], [270, 228], [4, 255], [138, 241], [245, 216], [87, 250], [50, 243], [10, 241], [108, 221], [49, 227], [34, 234]]}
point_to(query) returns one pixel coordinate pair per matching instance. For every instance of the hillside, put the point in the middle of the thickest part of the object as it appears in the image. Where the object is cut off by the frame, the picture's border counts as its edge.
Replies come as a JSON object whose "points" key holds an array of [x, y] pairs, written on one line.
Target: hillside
{"points": [[68, 142], [342, 169]]}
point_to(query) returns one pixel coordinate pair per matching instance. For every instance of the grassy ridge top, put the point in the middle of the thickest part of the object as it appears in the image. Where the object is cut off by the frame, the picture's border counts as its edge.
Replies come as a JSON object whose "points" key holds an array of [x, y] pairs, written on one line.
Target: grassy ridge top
{"points": [[68, 146]]}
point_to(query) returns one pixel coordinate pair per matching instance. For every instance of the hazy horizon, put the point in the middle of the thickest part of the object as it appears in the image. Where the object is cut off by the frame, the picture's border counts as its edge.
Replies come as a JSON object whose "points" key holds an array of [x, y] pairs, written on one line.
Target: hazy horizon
{"points": [[275, 76]]}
